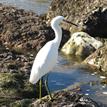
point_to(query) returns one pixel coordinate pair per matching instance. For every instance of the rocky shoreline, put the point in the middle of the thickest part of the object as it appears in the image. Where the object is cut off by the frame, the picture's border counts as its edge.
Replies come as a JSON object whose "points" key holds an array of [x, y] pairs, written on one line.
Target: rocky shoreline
{"points": [[21, 30], [22, 34]]}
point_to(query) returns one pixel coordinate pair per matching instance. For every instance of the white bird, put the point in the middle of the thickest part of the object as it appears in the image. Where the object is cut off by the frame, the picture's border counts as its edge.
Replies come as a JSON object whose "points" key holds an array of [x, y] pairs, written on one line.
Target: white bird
{"points": [[47, 56]]}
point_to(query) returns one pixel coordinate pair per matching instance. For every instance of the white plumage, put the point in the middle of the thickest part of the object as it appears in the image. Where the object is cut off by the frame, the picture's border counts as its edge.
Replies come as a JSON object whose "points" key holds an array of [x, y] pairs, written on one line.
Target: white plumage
{"points": [[47, 56]]}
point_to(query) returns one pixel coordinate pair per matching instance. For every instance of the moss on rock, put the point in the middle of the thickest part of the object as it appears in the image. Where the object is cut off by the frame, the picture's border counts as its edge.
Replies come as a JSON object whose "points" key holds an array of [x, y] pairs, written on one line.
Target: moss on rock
{"points": [[14, 87]]}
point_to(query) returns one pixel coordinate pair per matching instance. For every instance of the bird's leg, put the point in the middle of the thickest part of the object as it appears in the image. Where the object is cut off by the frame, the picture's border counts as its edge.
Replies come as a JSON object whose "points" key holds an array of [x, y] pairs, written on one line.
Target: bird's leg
{"points": [[40, 88], [47, 88]]}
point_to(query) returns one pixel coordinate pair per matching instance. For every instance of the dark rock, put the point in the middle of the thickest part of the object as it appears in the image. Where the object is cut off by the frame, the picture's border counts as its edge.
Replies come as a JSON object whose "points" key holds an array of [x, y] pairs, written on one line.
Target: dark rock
{"points": [[66, 99], [12, 66], [96, 23]]}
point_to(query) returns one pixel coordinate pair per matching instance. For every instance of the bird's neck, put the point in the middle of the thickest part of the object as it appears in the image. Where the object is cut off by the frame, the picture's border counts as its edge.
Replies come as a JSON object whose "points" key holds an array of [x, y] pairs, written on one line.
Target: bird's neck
{"points": [[58, 35]]}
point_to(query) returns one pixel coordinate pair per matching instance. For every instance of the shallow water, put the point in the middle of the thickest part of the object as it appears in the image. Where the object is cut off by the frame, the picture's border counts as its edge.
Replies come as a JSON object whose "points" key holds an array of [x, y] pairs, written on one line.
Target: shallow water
{"points": [[37, 6], [65, 75]]}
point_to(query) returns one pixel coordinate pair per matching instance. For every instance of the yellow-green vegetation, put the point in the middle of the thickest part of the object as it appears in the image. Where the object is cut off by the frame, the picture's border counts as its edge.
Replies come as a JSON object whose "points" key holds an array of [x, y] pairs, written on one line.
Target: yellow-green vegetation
{"points": [[14, 87]]}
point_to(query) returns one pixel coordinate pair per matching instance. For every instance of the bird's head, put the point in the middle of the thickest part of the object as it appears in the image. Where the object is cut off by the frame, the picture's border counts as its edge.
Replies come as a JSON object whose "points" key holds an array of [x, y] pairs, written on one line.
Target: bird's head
{"points": [[58, 19]]}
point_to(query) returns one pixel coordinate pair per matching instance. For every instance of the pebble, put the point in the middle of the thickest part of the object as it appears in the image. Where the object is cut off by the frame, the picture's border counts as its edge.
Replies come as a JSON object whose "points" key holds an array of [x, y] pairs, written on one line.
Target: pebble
{"points": [[94, 73], [104, 86], [87, 94], [102, 77], [104, 92]]}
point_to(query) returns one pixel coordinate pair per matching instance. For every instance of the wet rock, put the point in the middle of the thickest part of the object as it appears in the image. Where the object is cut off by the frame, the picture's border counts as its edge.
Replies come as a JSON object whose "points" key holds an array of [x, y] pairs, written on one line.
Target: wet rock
{"points": [[98, 59], [66, 99], [81, 44]]}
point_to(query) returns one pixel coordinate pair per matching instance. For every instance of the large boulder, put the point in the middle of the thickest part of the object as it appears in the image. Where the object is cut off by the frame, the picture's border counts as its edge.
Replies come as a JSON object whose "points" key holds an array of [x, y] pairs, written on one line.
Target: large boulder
{"points": [[99, 60], [81, 44]]}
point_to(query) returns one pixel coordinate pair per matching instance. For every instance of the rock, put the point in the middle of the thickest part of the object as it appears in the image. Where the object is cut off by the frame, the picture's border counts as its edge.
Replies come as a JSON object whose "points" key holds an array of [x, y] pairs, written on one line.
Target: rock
{"points": [[81, 44], [98, 59], [21, 30], [91, 16], [14, 61], [66, 98], [96, 22]]}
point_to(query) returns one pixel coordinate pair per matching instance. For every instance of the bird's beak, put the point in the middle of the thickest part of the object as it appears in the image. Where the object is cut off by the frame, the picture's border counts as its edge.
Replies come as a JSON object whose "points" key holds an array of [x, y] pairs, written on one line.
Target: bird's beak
{"points": [[70, 22]]}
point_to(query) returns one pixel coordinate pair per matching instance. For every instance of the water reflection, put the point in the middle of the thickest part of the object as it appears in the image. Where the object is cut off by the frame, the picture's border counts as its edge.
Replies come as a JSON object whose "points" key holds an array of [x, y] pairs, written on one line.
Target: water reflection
{"points": [[64, 75]]}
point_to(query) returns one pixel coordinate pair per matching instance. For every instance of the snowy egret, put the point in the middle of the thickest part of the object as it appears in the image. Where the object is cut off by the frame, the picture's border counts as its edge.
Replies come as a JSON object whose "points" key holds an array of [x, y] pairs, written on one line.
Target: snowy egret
{"points": [[47, 56]]}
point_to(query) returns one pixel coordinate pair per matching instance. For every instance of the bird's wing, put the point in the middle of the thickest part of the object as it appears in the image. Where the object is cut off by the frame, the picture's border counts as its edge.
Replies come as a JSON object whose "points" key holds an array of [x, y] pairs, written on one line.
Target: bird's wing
{"points": [[45, 55], [44, 61]]}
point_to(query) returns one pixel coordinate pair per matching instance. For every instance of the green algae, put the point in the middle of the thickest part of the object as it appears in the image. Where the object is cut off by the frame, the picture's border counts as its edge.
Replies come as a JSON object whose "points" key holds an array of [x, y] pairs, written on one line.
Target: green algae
{"points": [[15, 89]]}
